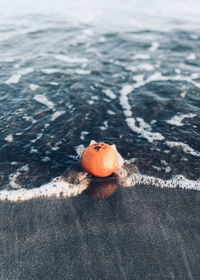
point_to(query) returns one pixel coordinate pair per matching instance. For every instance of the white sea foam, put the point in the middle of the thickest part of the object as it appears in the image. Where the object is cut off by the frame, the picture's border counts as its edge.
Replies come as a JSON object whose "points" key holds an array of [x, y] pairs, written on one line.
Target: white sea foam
{"points": [[83, 134], [139, 80], [18, 133], [15, 78], [33, 150], [132, 68], [53, 83], [158, 168], [7, 59], [45, 159], [88, 32], [141, 56], [57, 115], [109, 93], [178, 181], [110, 112], [191, 56], [126, 89], [168, 169], [29, 118], [82, 72], [183, 94], [178, 71], [164, 167], [73, 60], [94, 97], [146, 67], [91, 102], [194, 75], [79, 150], [106, 100], [144, 131], [141, 67], [159, 77], [55, 148], [143, 124], [14, 163], [102, 39], [50, 71], [46, 125], [184, 78], [186, 148], [9, 138], [43, 100], [142, 128], [177, 120], [15, 175], [17, 65], [56, 188], [104, 126], [39, 135], [33, 87], [154, 46]]}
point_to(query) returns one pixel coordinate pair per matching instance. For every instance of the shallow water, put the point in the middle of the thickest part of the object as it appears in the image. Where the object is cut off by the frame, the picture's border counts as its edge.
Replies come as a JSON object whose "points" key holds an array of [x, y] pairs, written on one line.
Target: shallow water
{"points": [[65, 81]]}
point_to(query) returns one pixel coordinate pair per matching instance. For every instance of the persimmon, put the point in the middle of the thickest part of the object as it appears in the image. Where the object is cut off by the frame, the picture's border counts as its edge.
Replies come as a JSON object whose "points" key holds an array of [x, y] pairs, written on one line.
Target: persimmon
{"points": [[100, 159]]}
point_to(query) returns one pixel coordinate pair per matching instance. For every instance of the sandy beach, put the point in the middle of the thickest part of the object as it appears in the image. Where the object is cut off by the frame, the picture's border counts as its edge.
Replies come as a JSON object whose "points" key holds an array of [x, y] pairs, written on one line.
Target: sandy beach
{"points": [[137, 233]]}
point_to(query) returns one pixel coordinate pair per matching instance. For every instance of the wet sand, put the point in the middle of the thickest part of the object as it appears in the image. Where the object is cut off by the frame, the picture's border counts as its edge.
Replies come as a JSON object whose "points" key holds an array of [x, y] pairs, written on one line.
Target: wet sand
{"points": [[137, 233]]}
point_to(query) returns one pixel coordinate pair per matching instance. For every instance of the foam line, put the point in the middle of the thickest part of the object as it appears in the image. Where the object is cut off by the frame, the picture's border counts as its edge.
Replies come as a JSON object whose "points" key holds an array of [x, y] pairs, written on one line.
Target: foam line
{"points": [[177, 119], [179, 181], [187, 149], [54, 189], [59, 188], [143, 130], [126, 89]]}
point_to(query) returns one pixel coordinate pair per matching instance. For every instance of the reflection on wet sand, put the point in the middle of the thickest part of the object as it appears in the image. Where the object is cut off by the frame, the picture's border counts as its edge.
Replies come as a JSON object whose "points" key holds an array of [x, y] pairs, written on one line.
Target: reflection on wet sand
{"points": [[102, 187]]}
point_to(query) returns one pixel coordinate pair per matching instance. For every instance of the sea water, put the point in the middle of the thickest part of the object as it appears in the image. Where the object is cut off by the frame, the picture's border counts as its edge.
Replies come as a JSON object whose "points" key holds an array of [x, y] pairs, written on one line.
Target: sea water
{"points": [[126, 73]]}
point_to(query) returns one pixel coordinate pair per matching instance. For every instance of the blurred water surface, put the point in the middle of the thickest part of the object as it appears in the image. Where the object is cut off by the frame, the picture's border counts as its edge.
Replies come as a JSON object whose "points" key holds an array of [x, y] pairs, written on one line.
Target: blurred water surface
{"points": [[120, 72]]}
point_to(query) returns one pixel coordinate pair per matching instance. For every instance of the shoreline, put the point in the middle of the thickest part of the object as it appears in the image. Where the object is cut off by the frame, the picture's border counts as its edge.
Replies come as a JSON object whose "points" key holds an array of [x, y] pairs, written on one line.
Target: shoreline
{"points": [[137, 233]]}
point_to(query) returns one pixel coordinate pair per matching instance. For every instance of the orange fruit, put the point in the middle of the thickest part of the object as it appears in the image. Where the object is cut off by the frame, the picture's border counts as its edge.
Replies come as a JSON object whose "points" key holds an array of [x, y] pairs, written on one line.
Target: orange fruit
{"points": [[100, 159]]}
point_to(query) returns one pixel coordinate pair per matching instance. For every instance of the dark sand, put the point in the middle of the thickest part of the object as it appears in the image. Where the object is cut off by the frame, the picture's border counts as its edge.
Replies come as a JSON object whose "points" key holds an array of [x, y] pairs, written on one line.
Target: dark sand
{"points": [[137, 233]]}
